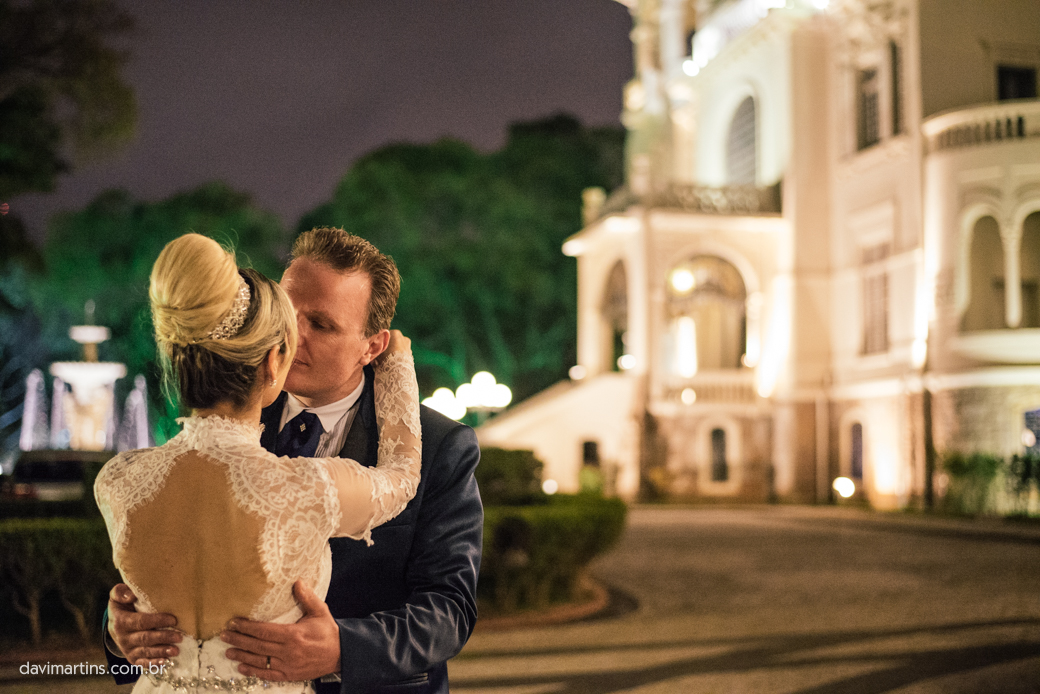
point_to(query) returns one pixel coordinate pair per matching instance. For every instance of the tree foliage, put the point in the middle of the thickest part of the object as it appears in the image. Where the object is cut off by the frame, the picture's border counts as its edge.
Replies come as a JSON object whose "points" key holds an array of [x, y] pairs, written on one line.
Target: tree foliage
{"points": [[105, 253], [60, 83], [477, 240]]}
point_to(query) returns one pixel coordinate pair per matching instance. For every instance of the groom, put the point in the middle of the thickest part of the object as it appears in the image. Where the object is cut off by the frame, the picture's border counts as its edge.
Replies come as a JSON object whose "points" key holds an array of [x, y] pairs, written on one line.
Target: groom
{"points": [[395, 611]]}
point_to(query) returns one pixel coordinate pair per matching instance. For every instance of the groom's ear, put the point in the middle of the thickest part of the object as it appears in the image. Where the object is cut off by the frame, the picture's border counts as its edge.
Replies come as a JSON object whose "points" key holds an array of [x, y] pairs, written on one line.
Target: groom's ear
{"points": [[376, 344]]}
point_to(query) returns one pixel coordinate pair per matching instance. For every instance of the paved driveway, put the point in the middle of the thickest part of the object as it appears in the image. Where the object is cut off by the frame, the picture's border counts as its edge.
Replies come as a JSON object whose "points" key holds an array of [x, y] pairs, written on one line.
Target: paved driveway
{"points": [[790, 599], [775, 599]]}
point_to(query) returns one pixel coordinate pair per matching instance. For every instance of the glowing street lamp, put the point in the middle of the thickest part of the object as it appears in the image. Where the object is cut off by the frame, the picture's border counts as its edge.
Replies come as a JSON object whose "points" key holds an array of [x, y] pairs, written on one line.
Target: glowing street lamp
{"points": [[444, 401], [483, 394]]}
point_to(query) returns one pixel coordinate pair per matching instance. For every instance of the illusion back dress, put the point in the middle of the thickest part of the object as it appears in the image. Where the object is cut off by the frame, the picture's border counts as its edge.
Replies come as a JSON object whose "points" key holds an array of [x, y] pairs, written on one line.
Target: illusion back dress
{"points": [[211, 526]]}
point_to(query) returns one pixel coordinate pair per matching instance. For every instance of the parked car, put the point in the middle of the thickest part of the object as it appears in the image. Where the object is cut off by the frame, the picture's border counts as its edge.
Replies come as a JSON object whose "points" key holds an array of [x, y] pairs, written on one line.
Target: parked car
{"points": [[51, 475]]}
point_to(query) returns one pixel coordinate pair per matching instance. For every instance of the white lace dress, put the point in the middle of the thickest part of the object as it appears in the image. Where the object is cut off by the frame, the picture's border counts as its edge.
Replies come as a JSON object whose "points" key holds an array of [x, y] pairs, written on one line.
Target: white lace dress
{"points": [[210, 525]]}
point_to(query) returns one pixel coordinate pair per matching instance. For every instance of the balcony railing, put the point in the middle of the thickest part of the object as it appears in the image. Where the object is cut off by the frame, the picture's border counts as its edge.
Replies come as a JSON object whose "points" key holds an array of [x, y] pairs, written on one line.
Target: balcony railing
{"points": [[1000, 122], [727, 200], [736, 386]]}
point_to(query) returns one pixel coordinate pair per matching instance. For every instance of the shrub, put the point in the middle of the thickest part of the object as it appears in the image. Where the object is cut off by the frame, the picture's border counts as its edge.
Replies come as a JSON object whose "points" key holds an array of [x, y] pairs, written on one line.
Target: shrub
{"points": [[535, 555], [1023, 482], [70, 556], [509, 478], [971, 479]]}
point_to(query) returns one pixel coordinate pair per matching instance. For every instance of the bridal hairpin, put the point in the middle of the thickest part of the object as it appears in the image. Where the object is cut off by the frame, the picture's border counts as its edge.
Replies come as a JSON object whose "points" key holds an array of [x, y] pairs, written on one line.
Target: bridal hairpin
{"points": [[231, 322]]}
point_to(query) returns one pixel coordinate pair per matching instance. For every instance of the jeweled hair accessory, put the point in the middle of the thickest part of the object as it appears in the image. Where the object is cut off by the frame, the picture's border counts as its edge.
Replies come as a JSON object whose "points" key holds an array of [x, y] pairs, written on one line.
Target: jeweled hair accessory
{"points": [[232, 321]]}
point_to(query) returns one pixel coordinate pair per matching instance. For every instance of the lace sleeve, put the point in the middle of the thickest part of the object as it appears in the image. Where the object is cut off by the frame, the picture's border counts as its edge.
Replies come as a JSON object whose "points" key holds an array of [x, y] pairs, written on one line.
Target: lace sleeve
{"points": [[371, 496]]}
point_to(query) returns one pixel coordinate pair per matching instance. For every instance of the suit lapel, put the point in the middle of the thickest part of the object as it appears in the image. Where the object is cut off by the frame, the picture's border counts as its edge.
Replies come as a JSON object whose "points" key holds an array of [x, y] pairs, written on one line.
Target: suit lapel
{"points": [[271, 417], [362, 442]]}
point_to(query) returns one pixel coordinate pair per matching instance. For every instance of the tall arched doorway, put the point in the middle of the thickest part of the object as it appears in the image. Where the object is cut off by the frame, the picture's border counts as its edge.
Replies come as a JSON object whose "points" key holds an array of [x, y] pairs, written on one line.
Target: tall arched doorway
{"points": [[707, 313]]}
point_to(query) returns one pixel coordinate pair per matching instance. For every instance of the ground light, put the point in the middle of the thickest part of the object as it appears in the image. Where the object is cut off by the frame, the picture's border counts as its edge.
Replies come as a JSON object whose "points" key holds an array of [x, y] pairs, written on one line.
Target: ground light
{"points": [[844, 486]]}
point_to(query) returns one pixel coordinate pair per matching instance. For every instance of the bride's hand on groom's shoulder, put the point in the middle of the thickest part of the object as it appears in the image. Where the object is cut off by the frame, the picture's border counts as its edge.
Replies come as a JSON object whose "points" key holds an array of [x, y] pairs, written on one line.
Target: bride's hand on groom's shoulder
{"points": [[398, 343], [141, 638]]}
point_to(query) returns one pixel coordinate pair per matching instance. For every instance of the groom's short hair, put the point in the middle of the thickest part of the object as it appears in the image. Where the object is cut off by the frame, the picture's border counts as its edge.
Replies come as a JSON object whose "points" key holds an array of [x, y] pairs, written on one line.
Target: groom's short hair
{"points": [[345, 252]]}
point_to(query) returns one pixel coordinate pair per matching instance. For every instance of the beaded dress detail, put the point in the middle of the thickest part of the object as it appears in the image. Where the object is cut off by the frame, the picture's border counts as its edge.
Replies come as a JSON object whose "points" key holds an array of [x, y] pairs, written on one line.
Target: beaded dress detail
{"points": [[211, 517]]}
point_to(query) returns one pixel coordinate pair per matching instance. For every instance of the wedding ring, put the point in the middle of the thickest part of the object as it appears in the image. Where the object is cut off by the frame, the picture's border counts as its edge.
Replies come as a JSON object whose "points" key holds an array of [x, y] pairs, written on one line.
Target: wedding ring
{"points": [[268, 662]]}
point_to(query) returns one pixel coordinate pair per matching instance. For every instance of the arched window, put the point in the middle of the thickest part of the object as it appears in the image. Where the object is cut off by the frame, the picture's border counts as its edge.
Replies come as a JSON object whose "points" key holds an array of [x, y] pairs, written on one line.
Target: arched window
{"points": [[986, 304], [706, 306], [615, 315], [1029, 262], [719, 467], [856, 451], [741, 146]]}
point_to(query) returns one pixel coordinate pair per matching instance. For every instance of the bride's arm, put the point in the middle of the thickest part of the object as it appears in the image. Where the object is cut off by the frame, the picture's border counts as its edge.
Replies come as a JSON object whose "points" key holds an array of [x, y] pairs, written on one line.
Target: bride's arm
{"points": [[371, 496]]}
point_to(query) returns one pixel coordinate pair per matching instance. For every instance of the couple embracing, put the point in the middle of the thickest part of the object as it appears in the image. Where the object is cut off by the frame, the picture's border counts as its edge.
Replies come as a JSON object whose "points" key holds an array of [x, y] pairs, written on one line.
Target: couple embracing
{"points": [[312, 528]]}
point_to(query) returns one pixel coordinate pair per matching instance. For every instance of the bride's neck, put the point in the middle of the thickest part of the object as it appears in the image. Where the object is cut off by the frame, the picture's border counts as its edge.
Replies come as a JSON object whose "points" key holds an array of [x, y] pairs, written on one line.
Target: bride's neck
{"points": [[248, 414]]}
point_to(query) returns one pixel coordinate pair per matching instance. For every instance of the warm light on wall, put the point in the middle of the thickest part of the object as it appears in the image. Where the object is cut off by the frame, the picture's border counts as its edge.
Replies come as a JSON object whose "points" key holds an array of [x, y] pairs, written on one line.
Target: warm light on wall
{"points": [[686, 346], [577, 372], [688, 396], [778, 341], [626, 362]]}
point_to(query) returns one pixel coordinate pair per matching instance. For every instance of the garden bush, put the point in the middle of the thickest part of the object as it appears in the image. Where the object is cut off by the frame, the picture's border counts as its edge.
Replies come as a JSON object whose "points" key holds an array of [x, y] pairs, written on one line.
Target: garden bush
{"points": [[971, 477], [509, 478], [534, 555], [68, 557]]}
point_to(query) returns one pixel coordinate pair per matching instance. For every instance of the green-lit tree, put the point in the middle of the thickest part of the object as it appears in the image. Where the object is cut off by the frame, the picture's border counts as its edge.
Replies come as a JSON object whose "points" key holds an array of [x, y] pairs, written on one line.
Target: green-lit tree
{"points": [[62, 96], [477, 239], [105, 253]]}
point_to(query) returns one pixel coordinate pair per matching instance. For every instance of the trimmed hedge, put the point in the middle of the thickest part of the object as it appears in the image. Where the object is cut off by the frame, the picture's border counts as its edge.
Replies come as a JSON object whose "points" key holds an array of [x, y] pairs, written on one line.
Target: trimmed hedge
{"points": [[535, 555], [71, 557], [509, 478]]}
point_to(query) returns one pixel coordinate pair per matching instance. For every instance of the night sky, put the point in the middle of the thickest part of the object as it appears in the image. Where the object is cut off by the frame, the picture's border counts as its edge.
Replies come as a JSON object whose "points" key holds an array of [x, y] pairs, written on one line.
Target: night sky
{"points": [[278, 98]]}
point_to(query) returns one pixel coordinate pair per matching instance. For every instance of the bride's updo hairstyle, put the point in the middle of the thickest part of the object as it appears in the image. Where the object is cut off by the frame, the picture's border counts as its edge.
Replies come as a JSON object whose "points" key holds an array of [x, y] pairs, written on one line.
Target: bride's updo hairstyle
{"points": [[213, 334]]}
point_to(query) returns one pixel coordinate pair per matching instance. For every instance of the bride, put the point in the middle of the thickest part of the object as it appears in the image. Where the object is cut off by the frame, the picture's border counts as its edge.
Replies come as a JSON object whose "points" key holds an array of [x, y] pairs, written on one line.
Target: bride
{"points": [[210, 525]]}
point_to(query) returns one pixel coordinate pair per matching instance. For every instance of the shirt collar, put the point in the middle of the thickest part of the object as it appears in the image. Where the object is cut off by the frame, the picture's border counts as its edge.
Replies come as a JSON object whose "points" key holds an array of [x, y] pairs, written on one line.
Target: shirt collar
{"points": [[328, 414]]}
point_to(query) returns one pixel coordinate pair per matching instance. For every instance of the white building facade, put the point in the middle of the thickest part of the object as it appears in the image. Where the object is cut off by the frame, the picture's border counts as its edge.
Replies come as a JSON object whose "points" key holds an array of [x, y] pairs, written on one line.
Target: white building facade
{"points": [[825, 261]]}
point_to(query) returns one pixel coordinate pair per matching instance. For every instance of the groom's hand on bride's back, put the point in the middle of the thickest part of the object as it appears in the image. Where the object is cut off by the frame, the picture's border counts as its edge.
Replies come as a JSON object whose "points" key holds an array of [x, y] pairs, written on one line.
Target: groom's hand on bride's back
{"points": [[306, 650], [142, 638]]}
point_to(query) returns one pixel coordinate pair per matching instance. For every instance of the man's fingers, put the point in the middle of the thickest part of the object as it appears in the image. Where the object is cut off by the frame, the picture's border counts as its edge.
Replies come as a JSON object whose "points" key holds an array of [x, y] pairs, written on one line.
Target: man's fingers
{"points": [[264, 631], [121, 594], [263, 673], [247, 645], [140, 621], [147, 639], [153, 656], [309, 600]]}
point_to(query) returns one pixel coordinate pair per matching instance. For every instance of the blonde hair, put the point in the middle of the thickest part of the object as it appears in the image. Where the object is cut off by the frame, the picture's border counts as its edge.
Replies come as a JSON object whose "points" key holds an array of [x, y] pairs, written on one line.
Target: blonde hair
{"points": [[193, 286]]}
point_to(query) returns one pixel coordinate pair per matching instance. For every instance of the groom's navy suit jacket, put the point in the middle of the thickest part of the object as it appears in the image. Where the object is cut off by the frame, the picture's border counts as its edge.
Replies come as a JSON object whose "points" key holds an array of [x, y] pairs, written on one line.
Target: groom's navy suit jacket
{"points": [[407, 603]]}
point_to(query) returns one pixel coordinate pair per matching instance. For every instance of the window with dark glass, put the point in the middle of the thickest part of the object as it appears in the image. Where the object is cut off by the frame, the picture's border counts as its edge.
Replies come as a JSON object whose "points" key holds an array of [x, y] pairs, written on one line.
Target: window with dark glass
{"points": [[869, 126], [896, 60], [741, 147], [719, 468], [590, 453], [856, 457], [1016, 82]]}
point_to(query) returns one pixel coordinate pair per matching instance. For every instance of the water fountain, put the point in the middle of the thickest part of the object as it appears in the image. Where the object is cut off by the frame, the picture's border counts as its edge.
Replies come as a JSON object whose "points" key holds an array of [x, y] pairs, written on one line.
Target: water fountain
{"points": [[34, 413], [85, 418]]}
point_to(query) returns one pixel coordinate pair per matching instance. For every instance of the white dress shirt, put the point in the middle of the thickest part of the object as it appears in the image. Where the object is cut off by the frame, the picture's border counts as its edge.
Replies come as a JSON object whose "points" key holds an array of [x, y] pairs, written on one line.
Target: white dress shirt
{"points": [[335, 418]]}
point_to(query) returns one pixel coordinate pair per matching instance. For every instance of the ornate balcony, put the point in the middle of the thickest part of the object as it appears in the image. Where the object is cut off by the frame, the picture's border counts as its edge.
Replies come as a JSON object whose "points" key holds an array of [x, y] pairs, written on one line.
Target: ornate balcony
{"points": [[992, 123]]}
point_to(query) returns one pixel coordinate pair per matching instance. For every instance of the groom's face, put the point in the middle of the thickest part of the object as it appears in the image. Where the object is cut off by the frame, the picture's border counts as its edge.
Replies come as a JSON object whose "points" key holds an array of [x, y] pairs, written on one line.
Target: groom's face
{"points": [[331, 312]]}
